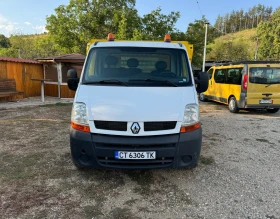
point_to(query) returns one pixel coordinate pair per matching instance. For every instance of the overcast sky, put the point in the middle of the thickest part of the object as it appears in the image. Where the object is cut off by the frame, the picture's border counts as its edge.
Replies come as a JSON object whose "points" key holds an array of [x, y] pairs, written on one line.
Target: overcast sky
{"points": [[29, 16]]}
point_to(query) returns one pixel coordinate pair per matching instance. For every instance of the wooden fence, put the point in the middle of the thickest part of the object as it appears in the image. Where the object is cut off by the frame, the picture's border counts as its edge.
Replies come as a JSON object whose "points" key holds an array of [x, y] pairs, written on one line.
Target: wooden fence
{"points": [[22, 72], [52, 90]]}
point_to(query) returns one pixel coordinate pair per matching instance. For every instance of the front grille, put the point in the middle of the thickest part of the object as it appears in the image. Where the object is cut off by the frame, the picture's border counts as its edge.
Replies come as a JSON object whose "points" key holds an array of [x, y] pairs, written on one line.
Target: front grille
{"points": [[158, 162], [110, 125], [122, 126], [134, 146], [158, 126]]}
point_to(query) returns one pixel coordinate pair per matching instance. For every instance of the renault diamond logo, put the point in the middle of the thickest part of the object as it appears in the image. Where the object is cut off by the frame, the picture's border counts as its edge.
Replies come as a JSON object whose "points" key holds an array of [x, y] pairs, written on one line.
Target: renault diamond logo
{"points": [[135, 128]]}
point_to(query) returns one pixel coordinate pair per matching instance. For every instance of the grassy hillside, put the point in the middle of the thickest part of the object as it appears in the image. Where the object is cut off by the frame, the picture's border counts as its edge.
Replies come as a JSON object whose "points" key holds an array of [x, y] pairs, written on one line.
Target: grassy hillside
{"points": [[244, 41], [245, 34]]}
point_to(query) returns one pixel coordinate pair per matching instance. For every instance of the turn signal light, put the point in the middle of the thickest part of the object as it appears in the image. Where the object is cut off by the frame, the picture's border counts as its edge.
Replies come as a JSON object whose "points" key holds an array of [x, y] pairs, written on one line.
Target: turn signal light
{"points": [[167, 38], [190, 128], [111, 37], [83, 128]]}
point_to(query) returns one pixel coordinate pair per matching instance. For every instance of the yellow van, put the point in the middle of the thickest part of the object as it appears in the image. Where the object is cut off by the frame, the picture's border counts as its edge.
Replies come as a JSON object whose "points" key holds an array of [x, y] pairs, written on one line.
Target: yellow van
{"points": [[245, 85]]}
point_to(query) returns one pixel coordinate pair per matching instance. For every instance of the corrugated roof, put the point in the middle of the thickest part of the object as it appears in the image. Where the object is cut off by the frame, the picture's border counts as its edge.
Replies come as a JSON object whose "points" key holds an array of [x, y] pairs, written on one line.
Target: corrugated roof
{"points": [[73, 56], [9, 59]]}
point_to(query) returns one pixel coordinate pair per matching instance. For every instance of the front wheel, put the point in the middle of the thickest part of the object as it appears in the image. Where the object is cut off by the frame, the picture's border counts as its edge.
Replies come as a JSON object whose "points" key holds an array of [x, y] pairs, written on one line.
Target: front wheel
{"points": [[202, 97], [77, 165], [275, 110], [232, 105]]}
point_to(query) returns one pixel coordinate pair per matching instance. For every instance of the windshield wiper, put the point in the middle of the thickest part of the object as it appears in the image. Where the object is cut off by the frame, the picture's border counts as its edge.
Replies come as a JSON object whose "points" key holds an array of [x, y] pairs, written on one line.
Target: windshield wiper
{"points": [[156, 80], [109, 81]]}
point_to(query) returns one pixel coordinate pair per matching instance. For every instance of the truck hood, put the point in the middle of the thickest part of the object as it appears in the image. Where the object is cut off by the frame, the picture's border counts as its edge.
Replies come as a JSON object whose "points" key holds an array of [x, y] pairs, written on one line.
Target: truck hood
{"points": [[115, 103]]}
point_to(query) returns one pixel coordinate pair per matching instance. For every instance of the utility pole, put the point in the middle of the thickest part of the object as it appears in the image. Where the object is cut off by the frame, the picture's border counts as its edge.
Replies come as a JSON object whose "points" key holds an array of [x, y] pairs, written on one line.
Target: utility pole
{"points": [[205, 43], [19, 53], [256, 51]]}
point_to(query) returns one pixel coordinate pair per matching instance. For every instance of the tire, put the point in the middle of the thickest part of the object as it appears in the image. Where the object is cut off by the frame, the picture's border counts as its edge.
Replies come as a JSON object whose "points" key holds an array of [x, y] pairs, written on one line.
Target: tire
{"points": [[78, 166], [232, 105], [275, 110], [191, 167], [202, 97]]}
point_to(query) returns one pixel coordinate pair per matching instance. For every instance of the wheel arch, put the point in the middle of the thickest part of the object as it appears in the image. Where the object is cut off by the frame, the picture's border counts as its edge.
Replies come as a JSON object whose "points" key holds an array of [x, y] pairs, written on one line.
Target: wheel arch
{"points": [[230, 96]]}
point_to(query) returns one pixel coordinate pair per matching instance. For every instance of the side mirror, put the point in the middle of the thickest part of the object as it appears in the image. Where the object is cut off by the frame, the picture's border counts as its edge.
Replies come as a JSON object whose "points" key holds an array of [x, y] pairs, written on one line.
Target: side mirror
{"points": [[72, 73], [202, 82], [73, 79]]}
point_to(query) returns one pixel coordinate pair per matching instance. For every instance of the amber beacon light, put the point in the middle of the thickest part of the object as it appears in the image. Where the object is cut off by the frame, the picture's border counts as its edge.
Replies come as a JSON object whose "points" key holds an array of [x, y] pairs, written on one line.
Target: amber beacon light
{"points": [[111, 37], [167, 38]]}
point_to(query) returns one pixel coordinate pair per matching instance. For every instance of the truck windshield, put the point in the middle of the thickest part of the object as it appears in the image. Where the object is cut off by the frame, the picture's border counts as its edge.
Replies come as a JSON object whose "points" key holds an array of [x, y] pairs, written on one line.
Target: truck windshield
{"points": [[134, 66], [265, 75]]}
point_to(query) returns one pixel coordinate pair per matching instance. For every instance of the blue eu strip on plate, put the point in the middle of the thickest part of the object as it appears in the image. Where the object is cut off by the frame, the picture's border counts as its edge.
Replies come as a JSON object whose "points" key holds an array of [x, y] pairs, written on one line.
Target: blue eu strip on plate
{"points": [[116, 155]]}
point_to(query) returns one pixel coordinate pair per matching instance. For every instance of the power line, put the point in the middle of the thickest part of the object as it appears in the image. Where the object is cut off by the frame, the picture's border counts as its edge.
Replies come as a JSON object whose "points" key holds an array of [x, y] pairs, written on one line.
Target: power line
{"points": [[202, 16], [209, 22], [199, 8]]}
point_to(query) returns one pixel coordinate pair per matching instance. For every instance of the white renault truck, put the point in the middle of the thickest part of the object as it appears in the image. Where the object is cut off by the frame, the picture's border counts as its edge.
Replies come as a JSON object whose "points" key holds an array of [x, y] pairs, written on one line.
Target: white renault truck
{"points": [[136, 106]]}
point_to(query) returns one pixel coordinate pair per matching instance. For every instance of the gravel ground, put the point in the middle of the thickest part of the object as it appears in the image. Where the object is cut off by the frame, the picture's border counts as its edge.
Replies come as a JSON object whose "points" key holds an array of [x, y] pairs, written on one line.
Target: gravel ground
{"points": [[33, 101], [238, 175]]}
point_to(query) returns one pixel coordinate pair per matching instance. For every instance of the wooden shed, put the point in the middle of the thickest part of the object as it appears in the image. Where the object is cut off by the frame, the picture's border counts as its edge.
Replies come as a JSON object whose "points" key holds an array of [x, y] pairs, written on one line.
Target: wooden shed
{"points": [[21, 70], [55, 70]]}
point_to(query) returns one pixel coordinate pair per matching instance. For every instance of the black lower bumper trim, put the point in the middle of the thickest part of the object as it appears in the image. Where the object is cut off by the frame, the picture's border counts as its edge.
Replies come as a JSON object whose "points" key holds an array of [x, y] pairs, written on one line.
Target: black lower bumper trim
{"points": [[262, 106]]}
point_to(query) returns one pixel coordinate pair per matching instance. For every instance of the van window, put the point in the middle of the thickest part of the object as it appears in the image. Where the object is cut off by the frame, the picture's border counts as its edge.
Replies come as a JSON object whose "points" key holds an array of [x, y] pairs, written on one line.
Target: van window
{"points": [[210, 73], [134, 65], [264, 75], [220, 75], [234, 76]]}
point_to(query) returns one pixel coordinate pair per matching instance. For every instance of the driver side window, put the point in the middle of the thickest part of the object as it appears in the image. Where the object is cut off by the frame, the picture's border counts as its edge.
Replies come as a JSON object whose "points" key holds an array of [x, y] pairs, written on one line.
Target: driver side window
{"points": [[210, 73]]}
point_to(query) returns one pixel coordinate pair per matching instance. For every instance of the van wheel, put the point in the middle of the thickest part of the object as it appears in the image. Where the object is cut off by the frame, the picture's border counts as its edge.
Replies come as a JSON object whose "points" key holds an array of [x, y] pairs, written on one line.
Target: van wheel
{"points": [[193, 166], [78, 166], [232, 105], [202, 97], [275, 110]]}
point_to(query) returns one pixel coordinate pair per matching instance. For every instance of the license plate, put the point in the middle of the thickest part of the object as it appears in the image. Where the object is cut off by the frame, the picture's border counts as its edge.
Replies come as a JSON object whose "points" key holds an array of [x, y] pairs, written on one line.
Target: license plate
{"points": [[266, 101], [135, 155]]}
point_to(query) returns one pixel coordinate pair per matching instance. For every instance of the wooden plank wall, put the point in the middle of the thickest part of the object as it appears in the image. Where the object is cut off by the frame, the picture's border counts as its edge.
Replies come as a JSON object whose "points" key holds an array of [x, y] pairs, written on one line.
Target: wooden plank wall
{"points": [[52, 90], [32, 88], [22, 73], [3, 70], [65, 92], [14, 70]]}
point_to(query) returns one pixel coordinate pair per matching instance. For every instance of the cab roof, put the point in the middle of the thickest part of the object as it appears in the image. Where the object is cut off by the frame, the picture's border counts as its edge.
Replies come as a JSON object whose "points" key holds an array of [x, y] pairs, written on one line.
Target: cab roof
{"points": [[247, 62], [139, 44]]}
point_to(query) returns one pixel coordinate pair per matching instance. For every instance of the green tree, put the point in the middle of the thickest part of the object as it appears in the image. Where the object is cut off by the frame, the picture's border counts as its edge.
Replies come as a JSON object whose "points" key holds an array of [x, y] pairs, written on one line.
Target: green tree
{"points": [[178, 35], [73, 26], [232, 50], [269, 37], [122, 33], [195, 35], [240, 20], [4, 41], [137, 35], [31, 47], [156, 24], [9, 52]]}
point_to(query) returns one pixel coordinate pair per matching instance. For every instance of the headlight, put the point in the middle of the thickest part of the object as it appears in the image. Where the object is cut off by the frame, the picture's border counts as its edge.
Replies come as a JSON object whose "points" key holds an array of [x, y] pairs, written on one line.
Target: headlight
{"points": [[191, 115], [79, 114]]}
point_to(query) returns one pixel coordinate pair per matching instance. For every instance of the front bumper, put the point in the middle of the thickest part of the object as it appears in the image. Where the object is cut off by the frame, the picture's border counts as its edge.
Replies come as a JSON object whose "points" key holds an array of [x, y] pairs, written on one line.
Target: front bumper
{"points": [[262, 106], [172, 151]]}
